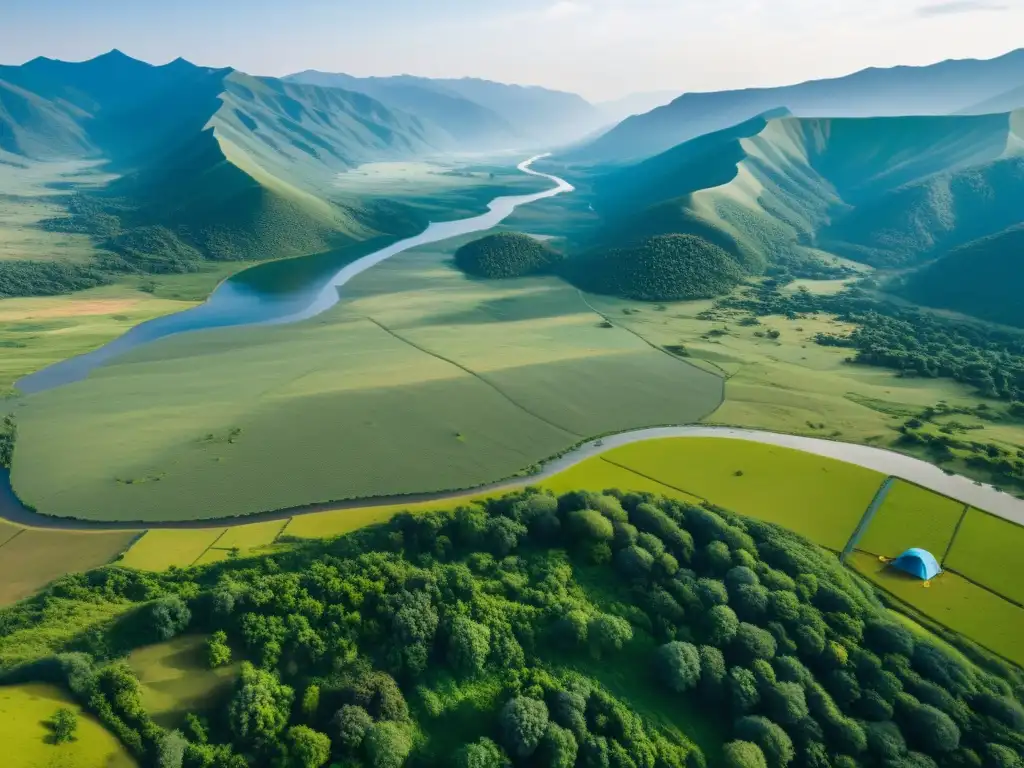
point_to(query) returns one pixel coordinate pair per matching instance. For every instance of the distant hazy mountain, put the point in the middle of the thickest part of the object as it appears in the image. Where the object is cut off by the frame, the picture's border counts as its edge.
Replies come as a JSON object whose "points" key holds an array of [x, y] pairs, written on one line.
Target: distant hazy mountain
{"points": [[537, 116], [939, 89], [468, 123], [891, 191], [617, 110], [235, 166], [1007, 101]]}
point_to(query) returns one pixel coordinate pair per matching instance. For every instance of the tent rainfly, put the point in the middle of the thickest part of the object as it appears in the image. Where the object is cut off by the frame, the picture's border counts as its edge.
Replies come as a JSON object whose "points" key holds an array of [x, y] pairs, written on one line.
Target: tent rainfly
{"points": [[918, 562]]}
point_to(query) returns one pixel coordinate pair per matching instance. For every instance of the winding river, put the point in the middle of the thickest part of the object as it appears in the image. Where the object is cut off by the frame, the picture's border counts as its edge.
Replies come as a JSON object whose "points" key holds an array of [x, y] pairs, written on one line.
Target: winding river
{"points": [[241, 301], [245, 299]]}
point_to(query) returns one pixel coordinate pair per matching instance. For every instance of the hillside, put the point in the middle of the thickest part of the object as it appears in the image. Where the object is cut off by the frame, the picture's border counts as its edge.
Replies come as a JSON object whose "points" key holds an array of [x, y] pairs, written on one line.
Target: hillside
{"points": [[537, 116], [469, 124], [984, 278], [1007, 101], [785, 192], [222, 164], [939, 89]]}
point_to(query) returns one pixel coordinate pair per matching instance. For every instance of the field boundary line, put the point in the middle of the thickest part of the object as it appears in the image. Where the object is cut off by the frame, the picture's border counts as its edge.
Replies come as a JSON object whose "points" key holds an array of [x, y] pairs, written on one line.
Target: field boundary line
{"points": [[16, 535], [211, 546], [952, 539], [725, 374], [280, 530], [656, 480], [867, 517], [476, 376]]}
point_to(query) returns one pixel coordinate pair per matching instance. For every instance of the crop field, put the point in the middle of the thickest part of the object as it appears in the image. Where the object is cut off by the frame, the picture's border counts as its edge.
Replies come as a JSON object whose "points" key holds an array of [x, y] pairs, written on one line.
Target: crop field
{"points": [[988, 550], [955, 603], [176, 679], [819, 498], [912, 517], [397, 390], [597, 474], [25, 711], [32, 558], [157, 550]]}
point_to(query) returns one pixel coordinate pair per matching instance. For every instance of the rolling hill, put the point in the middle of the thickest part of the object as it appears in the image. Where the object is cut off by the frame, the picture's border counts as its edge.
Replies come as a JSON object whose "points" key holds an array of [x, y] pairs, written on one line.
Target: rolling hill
{"points": [[1007, 101], [496, 113], [938, 89], [788, 192]]}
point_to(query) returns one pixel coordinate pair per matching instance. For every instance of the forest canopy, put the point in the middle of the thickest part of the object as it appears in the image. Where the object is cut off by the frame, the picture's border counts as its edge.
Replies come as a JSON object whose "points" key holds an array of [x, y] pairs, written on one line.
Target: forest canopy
{"points": [[506, 254], [588, 630]]}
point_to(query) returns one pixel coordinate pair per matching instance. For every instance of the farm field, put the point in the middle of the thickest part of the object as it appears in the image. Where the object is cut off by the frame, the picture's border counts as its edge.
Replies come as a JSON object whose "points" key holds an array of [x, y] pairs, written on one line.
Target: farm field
{"points": [[955, 603], [176, 679], [482, 378], [912, 517], [24, 712], [158, 550], [819, 498], [34, 557], [988, 550]]}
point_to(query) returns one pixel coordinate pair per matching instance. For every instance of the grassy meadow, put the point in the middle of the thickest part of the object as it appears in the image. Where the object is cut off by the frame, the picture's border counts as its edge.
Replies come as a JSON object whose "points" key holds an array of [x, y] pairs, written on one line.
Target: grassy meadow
{"points": [[912, 517], [987, 549], [25, 713], [176, 679], [484, 379], [954, 602]]}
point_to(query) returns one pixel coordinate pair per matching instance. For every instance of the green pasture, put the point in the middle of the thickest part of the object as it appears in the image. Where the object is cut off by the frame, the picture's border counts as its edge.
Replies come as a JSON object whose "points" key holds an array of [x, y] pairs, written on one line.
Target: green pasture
{"points": [[157, 550], [400, 389], [176, 679], [820, 498], [989, 550], [912, 517], [955, 603], [26, 710]]}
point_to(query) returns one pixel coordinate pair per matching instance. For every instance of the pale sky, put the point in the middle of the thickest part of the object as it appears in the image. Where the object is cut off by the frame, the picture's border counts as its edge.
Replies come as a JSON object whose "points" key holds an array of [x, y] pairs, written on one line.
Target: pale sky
{"points": [[601, 49]]}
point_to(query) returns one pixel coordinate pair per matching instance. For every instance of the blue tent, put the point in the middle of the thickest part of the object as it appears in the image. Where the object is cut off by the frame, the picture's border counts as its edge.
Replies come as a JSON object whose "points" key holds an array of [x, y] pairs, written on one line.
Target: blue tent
{"points": [[918, 562]]}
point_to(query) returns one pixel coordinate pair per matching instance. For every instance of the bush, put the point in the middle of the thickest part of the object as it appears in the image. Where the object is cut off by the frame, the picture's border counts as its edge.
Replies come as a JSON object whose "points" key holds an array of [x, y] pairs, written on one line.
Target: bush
{"points": [[523, 724], [64, 725], [387, 744], [678, 666], [307, 748], [772, 740], [743, 754], [469, 644], [481, 754], [168, 617]]}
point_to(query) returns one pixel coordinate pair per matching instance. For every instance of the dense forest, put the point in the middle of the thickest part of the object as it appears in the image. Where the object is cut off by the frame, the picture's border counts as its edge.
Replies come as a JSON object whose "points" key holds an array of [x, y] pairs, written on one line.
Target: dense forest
{"points": [[590, 631], [662, 268], [506, 254], [911, 341]]}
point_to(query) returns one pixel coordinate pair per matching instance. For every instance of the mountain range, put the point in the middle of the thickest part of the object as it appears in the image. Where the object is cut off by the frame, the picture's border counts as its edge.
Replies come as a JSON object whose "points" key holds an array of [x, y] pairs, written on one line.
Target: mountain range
{"points": [[972, 86]]}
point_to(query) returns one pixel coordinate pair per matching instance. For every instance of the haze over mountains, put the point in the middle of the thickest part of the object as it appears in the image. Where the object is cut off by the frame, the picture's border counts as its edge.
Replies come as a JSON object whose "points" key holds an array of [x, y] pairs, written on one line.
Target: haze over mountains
{"points": [[939, 89]]}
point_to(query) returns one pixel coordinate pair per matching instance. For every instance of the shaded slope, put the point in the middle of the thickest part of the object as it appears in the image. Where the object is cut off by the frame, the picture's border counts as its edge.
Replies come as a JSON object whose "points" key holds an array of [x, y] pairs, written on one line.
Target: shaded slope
{"points": [[984, 278], [1005, 102], [773, 192], [34, 127], [938, 89]]}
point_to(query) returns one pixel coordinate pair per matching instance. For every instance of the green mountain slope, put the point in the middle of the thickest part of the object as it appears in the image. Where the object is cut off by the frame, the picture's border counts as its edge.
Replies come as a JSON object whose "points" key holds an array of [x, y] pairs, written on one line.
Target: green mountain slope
{"points": [[220, 163], [537, 116], [783, 192], [938, 89], [984, 278], [468, 123]]}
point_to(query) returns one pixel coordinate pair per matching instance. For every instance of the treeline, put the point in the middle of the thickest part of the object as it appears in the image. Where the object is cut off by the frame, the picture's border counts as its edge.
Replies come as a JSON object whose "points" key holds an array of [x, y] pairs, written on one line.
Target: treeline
{"points": [[473, 638], [910, 341]]}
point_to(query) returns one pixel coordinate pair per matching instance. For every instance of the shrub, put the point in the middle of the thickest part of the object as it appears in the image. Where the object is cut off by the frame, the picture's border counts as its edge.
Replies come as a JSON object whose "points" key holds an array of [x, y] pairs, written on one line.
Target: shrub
{"points": [[523, 724], [743, 754], [678, 666]]}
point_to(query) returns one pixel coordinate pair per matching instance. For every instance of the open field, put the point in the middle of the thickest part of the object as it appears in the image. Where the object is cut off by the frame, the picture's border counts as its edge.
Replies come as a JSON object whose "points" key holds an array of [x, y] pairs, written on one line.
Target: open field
{"points": [[989, 550], [160, 549], [25, 711], [176, 679], [791, 384], [955, 603], [33, 558], [819, 498], [35, 332], [912, 517], [396, 390]]}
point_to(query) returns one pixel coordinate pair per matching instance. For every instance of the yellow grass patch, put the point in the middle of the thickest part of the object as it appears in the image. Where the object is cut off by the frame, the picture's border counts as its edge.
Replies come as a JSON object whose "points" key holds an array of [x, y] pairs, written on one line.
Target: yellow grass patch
{"points": [[159, 549]]}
